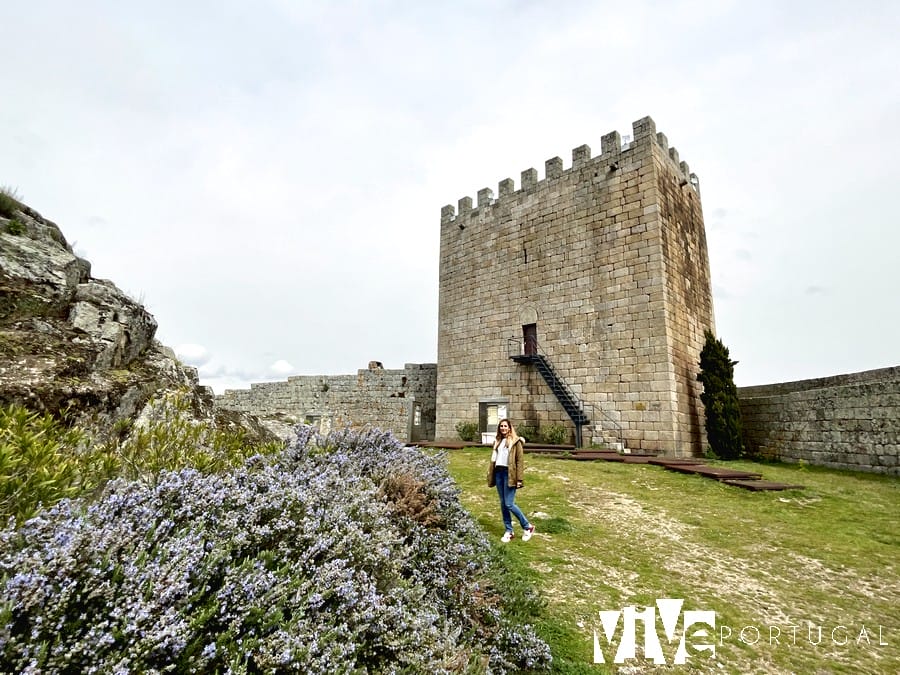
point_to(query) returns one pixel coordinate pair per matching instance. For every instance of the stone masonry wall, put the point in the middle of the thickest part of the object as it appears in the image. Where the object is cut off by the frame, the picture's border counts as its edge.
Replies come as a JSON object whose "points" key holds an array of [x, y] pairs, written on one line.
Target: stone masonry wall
{"points": [[846, 421], [608, 258], [373, 397], [688, 296]]}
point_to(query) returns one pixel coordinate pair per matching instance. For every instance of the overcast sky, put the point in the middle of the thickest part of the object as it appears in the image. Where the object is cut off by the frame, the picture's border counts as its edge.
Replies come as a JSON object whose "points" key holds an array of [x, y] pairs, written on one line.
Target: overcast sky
{"points": [[267, 177]]}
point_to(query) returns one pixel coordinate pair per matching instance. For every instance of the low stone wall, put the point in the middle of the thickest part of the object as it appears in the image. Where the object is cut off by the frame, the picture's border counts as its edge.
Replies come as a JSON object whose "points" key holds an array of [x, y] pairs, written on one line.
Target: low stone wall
{"points": [[846, 421], [402, 401]]}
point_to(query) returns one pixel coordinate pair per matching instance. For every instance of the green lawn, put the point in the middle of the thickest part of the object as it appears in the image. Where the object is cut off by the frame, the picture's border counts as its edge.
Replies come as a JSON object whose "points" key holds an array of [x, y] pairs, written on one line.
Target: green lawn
{"points": [[775, 565]]}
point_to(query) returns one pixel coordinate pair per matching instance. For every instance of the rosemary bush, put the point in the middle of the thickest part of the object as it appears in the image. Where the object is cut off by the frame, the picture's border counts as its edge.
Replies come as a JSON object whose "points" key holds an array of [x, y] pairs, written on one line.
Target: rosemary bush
{"points": [[350, 553], [44, 459]]}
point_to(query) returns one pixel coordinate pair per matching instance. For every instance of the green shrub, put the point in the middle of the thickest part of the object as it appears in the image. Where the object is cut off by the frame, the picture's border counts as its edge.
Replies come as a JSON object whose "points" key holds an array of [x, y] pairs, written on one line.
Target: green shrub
{"points": [[554, 434], [468, 431], [720, 399], [9, 202], [15, 227], [173, 439], [44, 460], [529, 433]]}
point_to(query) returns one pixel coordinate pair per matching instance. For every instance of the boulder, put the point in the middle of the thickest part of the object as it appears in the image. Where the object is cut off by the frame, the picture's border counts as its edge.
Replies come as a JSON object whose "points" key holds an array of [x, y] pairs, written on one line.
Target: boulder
{"points": [[79, 346]]}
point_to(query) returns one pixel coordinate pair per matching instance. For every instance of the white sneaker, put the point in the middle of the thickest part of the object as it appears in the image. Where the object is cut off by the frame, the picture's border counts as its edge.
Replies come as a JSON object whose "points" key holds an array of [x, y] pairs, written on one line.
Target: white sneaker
{"points": [[507, 537], [526, 535]]}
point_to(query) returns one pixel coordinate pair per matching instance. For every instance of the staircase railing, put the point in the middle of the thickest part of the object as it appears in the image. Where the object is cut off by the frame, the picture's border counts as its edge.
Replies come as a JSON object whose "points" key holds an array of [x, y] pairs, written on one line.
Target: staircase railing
{"points": [[609, 421], [570, 401], [580, 413]]}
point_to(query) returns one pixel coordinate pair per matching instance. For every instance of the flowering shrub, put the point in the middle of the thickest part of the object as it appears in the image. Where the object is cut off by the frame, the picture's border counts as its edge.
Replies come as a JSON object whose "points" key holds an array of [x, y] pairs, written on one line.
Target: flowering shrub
{"points": [[43, 459], [345, 554]]}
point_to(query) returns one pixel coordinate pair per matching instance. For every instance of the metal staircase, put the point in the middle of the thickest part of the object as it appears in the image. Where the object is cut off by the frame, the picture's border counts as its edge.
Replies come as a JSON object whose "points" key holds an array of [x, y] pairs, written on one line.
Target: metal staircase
{"points": [[575, 408]]}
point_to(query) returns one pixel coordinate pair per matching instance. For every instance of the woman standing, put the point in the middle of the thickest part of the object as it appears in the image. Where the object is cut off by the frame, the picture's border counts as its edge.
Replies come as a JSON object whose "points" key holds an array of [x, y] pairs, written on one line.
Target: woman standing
{"points": [[506, 472]]}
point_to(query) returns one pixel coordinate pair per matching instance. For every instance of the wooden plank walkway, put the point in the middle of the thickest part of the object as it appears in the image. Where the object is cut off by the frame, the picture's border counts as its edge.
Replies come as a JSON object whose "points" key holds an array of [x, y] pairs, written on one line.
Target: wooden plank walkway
{"points": [[759, 485], [717, 472], [749, 480], [665, 461]]}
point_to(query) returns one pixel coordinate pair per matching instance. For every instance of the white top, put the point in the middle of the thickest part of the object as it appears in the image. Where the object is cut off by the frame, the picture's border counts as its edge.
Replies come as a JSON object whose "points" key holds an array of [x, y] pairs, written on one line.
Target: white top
{"points": [[502, 453]]}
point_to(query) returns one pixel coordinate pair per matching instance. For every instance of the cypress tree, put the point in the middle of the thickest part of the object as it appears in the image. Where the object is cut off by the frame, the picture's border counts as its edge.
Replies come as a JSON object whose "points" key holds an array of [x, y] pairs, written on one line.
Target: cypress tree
{"points": [[723, 412]]}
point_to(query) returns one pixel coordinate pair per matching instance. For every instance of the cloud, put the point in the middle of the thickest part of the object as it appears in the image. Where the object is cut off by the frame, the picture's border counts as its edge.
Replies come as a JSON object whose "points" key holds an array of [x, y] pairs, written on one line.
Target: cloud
{"points": [[721, 292], [192, 355], [281, 368], [280, 202], [221, 375]]}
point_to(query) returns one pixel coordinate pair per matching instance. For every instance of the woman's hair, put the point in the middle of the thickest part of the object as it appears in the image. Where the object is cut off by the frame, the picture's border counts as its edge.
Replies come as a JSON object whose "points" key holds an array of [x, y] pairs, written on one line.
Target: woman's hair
{"points": [[512, 437]]}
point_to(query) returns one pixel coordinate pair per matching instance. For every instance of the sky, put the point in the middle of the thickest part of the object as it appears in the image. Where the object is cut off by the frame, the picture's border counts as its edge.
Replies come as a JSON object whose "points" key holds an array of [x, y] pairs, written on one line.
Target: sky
{"points": [[267, 177]]}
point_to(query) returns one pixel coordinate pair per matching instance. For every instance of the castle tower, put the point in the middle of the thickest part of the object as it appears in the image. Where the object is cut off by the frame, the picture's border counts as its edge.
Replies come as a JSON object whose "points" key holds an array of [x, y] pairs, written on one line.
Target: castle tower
{"points": [[580, 299]]}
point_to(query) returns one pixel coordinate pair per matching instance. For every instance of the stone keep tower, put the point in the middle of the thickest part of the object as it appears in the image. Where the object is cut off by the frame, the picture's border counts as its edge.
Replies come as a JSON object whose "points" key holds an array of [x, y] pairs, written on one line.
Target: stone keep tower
{"points": [[580, 299]]}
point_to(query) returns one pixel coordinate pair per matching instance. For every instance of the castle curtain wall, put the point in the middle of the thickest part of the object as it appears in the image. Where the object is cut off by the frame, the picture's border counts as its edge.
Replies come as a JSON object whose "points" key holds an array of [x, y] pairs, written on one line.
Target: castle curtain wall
{"points": [[401, 401]]}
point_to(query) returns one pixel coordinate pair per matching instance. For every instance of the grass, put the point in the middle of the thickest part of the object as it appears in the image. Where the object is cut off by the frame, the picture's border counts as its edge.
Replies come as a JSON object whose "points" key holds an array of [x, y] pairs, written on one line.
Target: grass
{"points": [[611, 535]]}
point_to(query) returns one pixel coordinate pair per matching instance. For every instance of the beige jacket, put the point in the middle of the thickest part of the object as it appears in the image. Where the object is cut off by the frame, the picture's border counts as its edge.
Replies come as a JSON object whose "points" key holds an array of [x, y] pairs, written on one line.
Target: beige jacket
{"points": [[516, 464]]}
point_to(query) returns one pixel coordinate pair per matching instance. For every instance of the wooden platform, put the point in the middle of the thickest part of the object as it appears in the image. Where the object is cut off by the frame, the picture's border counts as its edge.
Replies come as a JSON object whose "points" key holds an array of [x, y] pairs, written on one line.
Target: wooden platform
{"points": [[590, 456], [637, 459], [759, 485], [547, 449], [665, 461], [717, 472], [749, 480]]}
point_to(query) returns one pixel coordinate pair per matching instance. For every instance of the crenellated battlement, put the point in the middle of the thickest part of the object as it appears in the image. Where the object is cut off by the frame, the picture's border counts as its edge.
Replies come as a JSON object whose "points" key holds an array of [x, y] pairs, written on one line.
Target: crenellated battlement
{"points": [[602, 265], [613, 150]]}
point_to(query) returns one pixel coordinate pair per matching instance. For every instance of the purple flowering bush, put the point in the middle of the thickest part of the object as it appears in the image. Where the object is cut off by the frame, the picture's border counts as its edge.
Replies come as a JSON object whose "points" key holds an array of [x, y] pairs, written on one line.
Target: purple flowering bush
{"points": [[348, 554]]}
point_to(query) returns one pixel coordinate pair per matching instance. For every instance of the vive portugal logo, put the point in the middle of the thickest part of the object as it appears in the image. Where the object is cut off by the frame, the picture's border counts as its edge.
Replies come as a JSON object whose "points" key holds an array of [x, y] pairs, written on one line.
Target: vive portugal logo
{"points": [[689, 633]]}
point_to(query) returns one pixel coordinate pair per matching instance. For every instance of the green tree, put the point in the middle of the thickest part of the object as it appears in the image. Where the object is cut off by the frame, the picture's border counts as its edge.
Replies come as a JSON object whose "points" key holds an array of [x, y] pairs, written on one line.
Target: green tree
{"points": [[723, 411]]}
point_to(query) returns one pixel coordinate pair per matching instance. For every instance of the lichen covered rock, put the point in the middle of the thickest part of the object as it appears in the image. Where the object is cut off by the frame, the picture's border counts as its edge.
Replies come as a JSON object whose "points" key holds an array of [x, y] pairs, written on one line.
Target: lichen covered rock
{"points": [[75, 344]]}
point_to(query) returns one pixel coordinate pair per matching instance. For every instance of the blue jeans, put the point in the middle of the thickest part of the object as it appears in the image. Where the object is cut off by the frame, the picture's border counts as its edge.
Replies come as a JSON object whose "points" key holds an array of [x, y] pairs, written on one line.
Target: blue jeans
{"points": [[508, 500]]}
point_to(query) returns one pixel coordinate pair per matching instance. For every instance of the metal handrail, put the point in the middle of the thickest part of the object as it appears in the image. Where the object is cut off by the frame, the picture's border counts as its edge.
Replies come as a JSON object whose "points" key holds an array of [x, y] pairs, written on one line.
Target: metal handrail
{"points": [[516, 347], [519, 350]]}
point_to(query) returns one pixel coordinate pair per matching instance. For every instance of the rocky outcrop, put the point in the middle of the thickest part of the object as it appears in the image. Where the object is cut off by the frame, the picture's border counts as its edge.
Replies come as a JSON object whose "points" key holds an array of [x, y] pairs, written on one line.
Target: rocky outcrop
{"points": [[71, 343]]}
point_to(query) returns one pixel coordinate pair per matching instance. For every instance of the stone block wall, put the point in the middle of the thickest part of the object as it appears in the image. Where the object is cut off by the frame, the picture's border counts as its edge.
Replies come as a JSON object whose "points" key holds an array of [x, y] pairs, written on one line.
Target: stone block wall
{"points": [[608, 260], [388, 399], [846, 421]]}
